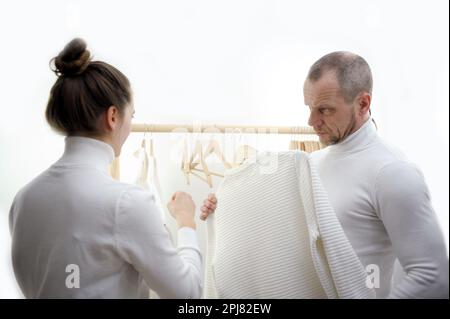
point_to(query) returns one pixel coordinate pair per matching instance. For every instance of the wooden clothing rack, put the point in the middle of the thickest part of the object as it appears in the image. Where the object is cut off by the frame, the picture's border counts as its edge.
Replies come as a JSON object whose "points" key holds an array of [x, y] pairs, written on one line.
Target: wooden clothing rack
{"points": [[213, 128], [199, 128]]}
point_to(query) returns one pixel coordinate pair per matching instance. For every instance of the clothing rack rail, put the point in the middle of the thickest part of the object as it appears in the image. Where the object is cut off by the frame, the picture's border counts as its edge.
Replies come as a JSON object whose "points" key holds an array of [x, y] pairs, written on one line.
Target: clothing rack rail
{"points": [[213, 128]]}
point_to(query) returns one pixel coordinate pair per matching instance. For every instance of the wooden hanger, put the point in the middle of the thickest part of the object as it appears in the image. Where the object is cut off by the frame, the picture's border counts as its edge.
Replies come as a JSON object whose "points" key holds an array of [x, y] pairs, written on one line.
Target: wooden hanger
{"points": [[193, 162], [185, 167], [214, 148]]}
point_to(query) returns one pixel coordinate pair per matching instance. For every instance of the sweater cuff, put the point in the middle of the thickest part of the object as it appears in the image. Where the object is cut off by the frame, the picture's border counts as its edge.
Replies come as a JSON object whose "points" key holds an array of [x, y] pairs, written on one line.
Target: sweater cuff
{"points": [[187, 237]]}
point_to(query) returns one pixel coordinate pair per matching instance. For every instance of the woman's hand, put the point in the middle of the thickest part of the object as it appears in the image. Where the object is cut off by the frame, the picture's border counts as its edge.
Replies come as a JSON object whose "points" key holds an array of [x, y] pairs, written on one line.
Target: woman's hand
{"points": [[182, 208], [209, 206]]}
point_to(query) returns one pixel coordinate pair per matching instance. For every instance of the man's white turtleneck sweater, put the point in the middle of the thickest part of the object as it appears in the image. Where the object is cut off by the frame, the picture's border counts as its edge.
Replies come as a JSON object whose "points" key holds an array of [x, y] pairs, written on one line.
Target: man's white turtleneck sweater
{"points": [[74, 213], [384, 206]]}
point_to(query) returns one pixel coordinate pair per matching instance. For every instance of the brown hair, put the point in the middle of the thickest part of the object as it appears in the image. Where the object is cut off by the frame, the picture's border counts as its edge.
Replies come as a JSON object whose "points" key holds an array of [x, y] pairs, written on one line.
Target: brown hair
{"points": [[352, 72], [84, 90]]}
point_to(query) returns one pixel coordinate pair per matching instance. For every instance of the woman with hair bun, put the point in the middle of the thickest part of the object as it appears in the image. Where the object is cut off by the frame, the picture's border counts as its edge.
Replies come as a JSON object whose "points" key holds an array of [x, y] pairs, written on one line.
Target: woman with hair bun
{"points": [[76, 232]]}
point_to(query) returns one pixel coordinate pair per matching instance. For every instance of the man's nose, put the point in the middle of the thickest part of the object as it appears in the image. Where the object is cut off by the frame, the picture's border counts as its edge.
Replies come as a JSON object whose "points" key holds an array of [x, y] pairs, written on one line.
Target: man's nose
{"points": [[314, 119]]}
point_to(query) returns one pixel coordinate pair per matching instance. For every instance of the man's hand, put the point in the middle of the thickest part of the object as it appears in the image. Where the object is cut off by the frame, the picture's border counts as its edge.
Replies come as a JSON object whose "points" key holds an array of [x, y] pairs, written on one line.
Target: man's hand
{"points": [[182, 208], [209, 206]]}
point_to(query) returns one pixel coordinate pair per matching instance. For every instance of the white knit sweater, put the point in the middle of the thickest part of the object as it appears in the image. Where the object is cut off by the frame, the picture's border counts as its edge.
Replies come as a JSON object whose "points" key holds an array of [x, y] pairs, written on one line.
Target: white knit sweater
{"points": [[274, 235]]}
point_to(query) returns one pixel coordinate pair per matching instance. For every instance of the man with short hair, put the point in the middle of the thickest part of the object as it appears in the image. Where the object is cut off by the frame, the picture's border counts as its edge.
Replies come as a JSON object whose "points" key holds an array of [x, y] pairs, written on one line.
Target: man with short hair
{"points": [[379, 197]]}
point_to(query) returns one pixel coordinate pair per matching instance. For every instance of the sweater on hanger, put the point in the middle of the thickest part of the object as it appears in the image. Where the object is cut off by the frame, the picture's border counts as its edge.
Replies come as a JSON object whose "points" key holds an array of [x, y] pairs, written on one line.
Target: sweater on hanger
{"points": [[75, 215], [384, 206], [274, 235]]}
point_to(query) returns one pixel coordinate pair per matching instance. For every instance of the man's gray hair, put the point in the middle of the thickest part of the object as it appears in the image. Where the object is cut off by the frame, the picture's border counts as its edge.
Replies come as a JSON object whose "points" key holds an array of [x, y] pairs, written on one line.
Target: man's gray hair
{"points": [[352, 72]]}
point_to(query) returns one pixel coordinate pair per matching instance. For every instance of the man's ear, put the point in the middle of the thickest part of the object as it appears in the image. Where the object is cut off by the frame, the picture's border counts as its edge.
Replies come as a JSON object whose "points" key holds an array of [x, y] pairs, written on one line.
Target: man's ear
{"points": [[112, 118], [364, 99]]}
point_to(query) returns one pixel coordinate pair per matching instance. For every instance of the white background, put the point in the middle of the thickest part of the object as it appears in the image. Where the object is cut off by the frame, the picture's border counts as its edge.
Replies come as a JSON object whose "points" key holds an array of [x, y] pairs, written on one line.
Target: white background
{"points": [[226, 62]]}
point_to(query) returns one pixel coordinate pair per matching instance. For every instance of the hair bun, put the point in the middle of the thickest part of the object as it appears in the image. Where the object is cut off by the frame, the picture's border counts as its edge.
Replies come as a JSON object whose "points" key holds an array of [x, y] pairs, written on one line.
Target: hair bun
{"points": [[73, 59]]}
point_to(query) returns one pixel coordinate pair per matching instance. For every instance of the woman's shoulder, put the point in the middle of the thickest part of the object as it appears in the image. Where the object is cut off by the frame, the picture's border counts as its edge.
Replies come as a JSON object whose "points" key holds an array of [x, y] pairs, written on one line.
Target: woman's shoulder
{"points": [[131, 196]]}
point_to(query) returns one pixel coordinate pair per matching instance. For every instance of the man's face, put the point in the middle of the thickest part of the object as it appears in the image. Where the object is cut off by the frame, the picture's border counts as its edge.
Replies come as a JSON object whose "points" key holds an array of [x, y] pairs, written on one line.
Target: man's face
{"points": [[332, 118]]}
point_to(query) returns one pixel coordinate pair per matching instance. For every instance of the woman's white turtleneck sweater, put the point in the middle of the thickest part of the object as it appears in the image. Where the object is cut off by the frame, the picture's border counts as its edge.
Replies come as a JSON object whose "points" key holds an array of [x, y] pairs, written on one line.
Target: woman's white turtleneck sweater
{"points": [[74, 213], [384, 206]]}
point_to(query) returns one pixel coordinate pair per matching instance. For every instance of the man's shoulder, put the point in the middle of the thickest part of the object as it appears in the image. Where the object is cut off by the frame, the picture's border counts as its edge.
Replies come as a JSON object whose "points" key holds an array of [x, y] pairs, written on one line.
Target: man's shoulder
{"points": [[393, 165], [372, 159], [388, 151]]}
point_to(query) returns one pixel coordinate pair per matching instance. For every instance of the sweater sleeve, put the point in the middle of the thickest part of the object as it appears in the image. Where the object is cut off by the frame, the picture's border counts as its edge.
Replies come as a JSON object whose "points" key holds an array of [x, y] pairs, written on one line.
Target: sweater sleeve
{"points": [[404, 206], [143, 241]]}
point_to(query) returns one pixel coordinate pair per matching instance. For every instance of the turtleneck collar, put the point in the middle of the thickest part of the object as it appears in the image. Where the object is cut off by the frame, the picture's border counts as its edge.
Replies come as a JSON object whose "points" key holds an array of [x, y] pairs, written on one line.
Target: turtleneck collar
{"points": [[357, 140], [87, 151]]}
